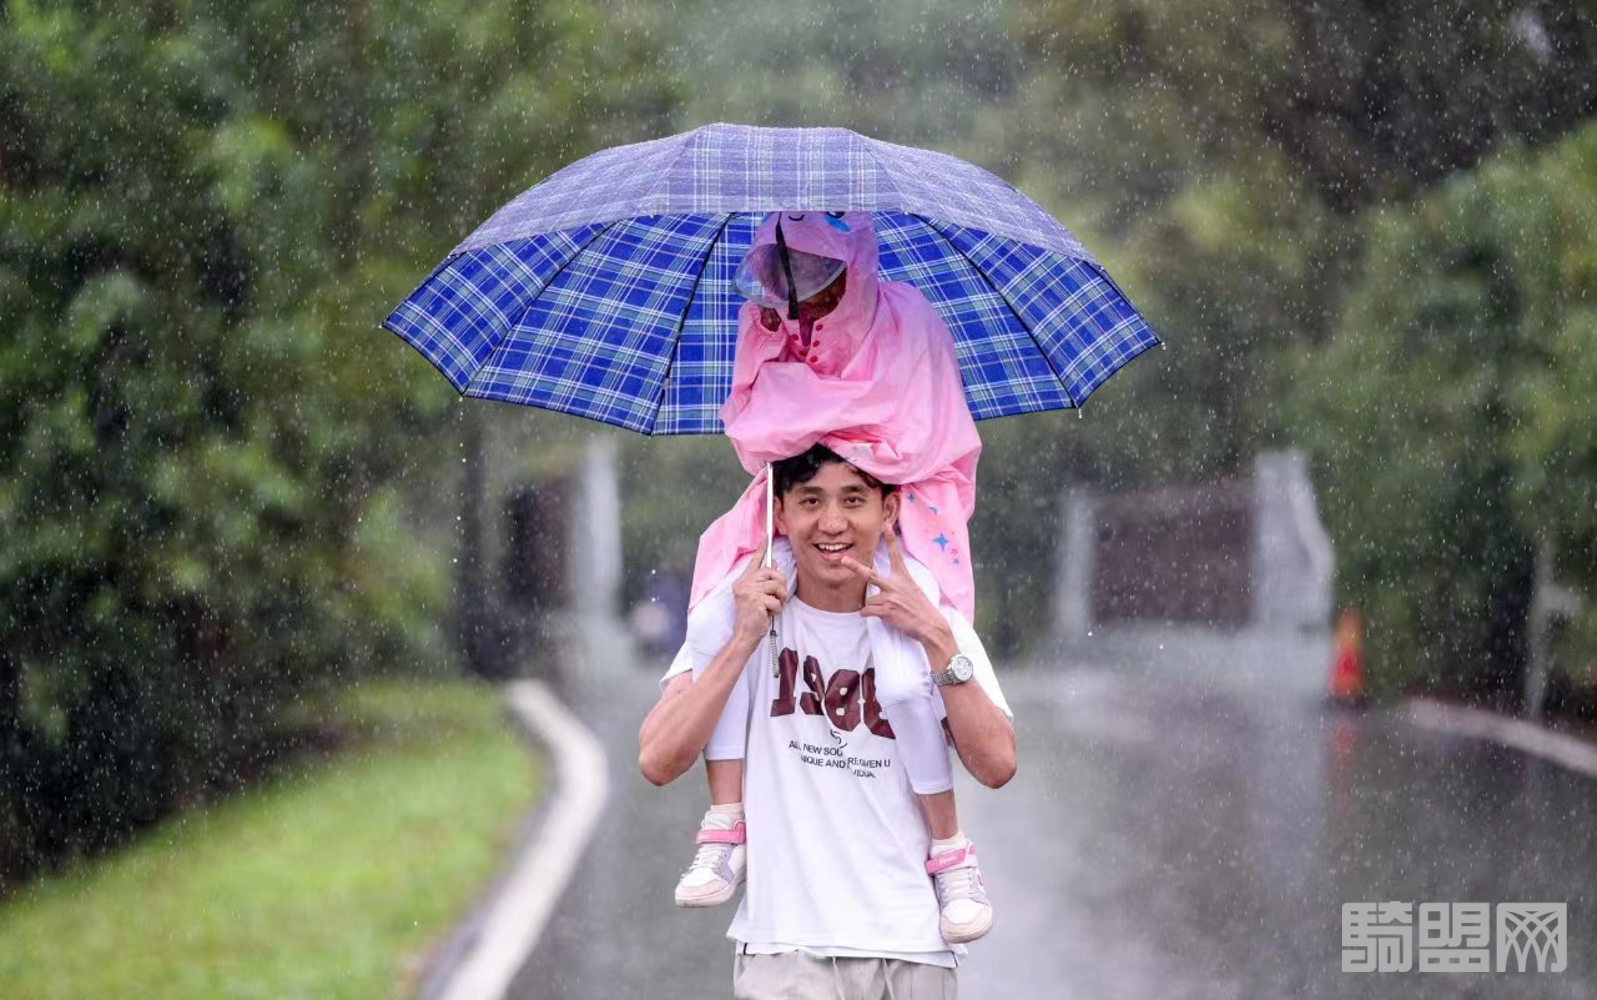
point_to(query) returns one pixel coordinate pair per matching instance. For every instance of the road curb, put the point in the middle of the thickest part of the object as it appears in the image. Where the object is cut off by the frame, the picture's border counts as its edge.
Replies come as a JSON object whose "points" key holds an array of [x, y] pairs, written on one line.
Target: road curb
{"points": [[487, 951], [1527, 737]]}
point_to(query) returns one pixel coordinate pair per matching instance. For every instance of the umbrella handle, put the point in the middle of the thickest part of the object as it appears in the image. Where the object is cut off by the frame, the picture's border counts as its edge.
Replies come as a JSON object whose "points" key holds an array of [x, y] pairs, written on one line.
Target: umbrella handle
{"points": [[770, 543]]}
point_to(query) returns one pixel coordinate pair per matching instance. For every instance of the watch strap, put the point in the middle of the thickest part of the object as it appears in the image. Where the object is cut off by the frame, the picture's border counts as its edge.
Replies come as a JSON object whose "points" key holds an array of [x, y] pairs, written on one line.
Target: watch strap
{"points": [[948, 675]]}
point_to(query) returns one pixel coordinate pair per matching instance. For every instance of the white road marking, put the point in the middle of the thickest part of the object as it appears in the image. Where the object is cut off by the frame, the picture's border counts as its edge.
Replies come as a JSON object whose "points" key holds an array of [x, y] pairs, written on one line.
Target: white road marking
{"points": [[1538, 741], [516, 918]]}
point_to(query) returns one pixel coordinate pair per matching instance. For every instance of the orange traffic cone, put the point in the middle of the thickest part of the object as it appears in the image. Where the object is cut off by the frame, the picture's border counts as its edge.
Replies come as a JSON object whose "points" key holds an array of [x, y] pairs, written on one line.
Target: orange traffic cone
{"points": [[1347, 662]]}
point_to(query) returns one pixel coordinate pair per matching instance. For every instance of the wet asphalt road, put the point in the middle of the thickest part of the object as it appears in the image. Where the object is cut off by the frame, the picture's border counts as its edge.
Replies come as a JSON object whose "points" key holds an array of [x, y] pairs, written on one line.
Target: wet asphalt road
{"points": [[1177, 829]]}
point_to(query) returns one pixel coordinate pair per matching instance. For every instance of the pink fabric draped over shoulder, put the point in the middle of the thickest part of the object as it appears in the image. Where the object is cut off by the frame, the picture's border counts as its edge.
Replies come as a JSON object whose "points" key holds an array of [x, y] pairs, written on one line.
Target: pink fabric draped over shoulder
{"points": [[879, 384]]}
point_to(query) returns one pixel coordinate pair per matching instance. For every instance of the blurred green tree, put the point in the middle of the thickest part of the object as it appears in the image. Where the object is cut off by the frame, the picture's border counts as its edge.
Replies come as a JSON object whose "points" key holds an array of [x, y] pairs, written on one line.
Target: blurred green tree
{"points": [[206, 444], [1450, 413]]}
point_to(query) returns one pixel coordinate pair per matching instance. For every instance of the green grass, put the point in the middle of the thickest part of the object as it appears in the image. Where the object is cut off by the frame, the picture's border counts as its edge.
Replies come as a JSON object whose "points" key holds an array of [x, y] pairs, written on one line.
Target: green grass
{"points": [[329, 882]]}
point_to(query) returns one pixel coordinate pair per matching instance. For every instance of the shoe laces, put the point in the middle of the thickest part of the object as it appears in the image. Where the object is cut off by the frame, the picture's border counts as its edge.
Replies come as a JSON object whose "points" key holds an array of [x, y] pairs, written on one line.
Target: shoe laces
{"points": [[710, 855], [958, 883]]}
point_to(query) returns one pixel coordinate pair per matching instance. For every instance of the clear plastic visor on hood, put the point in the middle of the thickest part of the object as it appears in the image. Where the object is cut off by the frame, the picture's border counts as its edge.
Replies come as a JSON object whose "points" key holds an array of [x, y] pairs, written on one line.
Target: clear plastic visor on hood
{"points": [[762, 278]]}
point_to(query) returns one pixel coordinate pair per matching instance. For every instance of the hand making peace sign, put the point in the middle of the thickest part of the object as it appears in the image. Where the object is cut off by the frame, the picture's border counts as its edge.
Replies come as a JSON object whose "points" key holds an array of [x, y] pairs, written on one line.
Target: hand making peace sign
{"points": [[899, 601]]}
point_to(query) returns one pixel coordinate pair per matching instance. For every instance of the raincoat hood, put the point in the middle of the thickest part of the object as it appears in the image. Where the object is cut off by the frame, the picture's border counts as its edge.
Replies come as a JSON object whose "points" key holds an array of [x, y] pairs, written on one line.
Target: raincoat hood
{"points": [[847, 236], [878, 383]]}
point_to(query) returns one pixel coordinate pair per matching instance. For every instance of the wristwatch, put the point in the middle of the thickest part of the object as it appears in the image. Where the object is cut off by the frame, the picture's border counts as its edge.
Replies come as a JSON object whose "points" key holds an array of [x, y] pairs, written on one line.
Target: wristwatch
{"points": [[960, 669]]}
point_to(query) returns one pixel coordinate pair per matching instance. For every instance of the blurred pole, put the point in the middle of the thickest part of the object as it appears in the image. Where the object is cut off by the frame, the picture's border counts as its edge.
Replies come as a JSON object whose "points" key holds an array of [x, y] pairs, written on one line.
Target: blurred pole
{"points": [[606, 651], [1077, 565], [1293, 563], [596, 524]]}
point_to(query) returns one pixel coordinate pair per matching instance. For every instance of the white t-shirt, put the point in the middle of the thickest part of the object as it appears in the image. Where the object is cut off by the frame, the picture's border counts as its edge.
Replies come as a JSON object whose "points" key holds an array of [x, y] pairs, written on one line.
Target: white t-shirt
{"points": [[837, 842]]}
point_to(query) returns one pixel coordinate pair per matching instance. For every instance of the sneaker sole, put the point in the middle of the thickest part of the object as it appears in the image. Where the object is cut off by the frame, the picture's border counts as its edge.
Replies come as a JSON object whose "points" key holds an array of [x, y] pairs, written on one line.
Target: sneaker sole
{"points": [[713, 899], [970, 932]]}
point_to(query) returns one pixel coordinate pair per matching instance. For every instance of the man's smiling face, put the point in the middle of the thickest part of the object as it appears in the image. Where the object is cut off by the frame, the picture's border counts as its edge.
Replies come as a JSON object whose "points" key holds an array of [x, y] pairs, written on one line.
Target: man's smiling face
{"points": [[835, 513]]}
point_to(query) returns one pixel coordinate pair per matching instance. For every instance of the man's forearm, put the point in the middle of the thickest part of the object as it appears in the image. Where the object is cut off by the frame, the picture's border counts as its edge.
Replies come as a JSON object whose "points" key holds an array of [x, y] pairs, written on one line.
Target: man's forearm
{"points": [[982, 733], [677, 730]]}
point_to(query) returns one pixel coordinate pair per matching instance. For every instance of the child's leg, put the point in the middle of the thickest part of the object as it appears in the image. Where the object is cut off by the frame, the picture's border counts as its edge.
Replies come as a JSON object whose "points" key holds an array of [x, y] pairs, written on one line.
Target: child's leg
{"points": [[723, 755], [924, 752], [709, 627], [965, 912], [726, 781], [925, 756], [938, 808], [720, 860]]}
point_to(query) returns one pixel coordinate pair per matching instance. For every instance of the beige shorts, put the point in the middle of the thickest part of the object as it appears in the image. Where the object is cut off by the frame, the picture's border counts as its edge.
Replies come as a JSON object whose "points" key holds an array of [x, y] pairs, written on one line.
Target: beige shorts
{"points": [[793, 975]]}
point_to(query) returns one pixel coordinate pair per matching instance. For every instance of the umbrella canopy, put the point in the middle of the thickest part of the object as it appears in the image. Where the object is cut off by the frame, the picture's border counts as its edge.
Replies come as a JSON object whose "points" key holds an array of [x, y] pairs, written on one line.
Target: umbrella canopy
{"points": [[606, 290]]}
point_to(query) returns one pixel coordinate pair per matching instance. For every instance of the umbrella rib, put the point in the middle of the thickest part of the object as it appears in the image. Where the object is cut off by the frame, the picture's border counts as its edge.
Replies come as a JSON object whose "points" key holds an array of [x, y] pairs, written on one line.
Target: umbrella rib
{"points": [[883, 172], [499, 347], [1011, 306], [698, 278], [690, 141]]}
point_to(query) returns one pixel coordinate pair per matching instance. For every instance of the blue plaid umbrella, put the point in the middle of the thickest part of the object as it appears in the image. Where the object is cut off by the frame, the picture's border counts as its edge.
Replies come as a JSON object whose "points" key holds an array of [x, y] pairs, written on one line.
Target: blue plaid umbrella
{"points": [[606, 291]]}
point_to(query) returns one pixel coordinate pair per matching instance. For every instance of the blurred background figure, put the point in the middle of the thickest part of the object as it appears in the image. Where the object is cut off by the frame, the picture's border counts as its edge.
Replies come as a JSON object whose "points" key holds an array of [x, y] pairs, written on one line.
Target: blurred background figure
{"points": [[659, 620]]}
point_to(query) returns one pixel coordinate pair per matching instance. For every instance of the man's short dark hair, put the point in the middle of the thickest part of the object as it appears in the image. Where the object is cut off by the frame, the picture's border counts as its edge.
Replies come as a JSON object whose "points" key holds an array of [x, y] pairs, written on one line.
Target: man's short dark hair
{"points": [[800, 469]]}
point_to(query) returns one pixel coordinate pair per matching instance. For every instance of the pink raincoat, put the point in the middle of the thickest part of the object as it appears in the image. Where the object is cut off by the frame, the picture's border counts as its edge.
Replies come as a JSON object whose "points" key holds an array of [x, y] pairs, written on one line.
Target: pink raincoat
{"points": [[879, 384]]}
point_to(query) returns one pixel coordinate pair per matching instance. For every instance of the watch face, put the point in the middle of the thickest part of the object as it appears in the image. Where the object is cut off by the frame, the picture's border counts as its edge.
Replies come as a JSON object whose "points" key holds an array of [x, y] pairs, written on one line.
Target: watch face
{"points": [[962, 667]]}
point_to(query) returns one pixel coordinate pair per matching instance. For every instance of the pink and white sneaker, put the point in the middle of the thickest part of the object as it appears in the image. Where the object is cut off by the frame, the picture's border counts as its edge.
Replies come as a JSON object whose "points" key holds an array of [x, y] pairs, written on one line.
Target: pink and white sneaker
{"points": [[718, 865], [961, 895]]}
